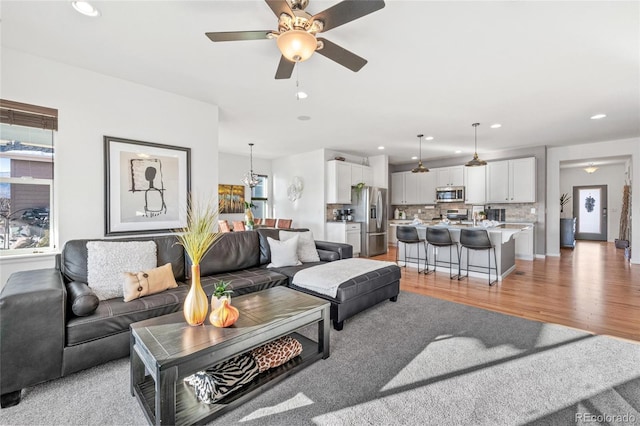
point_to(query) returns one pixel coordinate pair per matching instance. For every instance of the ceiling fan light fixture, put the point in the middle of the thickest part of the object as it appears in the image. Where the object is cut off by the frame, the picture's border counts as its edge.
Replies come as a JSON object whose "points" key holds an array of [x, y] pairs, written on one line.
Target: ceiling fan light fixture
{"points": [[297, 45], [85, 8], [420, 168], [475, 161]]}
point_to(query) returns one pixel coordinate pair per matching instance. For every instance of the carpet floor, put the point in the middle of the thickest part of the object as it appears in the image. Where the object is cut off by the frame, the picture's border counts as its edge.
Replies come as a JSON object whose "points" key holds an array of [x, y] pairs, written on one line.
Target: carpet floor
{"points": [[418, 361]]}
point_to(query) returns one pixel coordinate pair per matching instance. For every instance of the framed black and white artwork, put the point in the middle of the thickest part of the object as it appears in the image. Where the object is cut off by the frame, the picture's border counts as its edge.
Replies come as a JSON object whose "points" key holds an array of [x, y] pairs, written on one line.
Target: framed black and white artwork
{"points": [[146, 186]]}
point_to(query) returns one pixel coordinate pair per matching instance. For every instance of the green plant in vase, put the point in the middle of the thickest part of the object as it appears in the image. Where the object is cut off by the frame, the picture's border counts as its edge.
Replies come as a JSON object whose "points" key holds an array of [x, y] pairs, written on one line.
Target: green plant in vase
{"points": [[197, 238], [564, 199], [248, 214]]}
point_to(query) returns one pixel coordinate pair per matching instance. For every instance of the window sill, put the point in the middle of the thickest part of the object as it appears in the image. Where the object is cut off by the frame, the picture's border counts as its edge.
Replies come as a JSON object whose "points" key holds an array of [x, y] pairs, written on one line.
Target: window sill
{"points": [[27, 255]]}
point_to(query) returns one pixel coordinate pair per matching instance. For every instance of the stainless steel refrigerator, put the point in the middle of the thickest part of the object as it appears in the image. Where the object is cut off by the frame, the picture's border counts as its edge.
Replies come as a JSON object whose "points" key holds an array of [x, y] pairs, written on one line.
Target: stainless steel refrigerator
{"points": [[370, 209]]}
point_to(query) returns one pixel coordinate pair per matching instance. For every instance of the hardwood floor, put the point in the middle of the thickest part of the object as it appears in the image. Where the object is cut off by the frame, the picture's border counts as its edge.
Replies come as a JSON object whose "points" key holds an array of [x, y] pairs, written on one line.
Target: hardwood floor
{"points": [[591, 288]]}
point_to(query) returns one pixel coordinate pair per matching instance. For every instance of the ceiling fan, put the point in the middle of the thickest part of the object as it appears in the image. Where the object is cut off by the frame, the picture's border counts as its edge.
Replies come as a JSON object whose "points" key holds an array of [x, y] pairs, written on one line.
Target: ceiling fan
{"points": [[297, 29]]}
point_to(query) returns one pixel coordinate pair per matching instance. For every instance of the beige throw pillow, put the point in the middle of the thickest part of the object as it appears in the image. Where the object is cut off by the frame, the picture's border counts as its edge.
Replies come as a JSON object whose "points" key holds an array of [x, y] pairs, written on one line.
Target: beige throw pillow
{"points": [[107, 260], [151, 281]]}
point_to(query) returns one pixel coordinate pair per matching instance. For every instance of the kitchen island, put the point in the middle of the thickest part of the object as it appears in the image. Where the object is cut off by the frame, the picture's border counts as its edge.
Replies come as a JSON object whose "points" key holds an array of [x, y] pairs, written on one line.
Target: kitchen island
{"points": [[501, 237]]}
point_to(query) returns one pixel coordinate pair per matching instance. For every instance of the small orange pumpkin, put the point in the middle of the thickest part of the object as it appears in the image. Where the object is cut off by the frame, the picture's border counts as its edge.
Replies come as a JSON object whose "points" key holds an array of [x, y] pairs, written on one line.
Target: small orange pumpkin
{"points": [[225, 315]]}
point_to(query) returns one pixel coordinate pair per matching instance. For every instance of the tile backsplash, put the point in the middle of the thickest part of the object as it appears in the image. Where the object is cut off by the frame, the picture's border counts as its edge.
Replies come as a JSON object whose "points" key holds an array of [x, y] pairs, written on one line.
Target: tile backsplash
{"points": [[515, 212]]}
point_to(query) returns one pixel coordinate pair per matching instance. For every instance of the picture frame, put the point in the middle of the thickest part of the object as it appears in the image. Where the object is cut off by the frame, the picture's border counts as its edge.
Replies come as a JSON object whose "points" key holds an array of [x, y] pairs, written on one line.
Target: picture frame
{"points": [[146, 186], [231, 198]]}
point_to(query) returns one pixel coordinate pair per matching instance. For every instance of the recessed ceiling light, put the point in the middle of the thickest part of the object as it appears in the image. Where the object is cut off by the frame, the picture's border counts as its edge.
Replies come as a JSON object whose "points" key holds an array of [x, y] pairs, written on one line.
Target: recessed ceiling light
{"points": [[414, 158], [301, 95], [598, 116], [85, 8], [428, 138], [304, 118], [496, 126], [458, 151], [381, 147]]}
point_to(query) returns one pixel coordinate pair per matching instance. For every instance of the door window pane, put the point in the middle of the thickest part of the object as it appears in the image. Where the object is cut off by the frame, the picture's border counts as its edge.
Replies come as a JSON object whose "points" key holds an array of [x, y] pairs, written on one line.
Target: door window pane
{"points": [[590, 208]]}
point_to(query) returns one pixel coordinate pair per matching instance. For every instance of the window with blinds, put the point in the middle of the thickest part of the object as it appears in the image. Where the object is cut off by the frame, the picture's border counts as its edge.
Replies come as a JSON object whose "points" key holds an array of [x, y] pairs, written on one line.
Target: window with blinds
{"points": [[259, 197], [26, 177]]}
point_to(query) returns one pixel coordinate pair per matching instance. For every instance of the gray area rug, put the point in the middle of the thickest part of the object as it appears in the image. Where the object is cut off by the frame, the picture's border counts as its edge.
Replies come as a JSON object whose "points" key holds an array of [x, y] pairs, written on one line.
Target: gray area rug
{"points": [[418, 361]]}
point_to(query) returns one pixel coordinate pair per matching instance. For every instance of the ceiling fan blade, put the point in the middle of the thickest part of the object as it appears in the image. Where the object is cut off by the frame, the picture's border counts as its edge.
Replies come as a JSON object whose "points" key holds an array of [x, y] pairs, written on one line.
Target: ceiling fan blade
{"points": [[239, 35], [279, 7], [285, 68], [341, 55], [347, 11]]}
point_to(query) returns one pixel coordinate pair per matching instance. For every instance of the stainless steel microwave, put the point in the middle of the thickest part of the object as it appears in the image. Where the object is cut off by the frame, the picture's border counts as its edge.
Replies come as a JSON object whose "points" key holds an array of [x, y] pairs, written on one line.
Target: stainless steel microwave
{"points": [[450, 194]]}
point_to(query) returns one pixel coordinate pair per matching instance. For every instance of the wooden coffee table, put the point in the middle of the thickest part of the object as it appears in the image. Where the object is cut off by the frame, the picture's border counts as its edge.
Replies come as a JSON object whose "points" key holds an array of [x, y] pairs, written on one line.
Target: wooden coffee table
{"points": [[166, 349]]}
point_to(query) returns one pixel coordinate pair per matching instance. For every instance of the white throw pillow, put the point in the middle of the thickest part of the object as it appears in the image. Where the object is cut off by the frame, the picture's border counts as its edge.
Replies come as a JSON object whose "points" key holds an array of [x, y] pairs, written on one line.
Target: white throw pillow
{"points": [[307, 251], [283, 253], [108, 260]]}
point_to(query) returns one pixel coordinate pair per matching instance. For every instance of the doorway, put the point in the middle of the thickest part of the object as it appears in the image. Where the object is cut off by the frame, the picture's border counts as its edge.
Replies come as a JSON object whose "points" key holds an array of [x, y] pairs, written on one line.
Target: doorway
{"points": [[590, 210]]}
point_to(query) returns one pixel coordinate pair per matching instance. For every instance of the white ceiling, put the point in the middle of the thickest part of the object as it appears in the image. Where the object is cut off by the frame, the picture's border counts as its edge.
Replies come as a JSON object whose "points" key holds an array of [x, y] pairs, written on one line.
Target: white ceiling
{"points": [[540, 68]]}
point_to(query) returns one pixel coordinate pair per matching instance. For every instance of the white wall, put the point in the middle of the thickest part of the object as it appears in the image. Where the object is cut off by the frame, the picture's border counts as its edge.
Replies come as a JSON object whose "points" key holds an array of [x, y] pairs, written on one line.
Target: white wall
{"points": [[556, 155], [613, 176], [231, 170], [309, 210], [91, 105]]}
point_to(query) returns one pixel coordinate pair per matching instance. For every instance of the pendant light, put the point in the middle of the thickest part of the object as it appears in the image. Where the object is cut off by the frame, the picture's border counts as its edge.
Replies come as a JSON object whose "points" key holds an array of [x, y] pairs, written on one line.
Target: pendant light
{"points": [[251, 179], [420, 168], [476, 161]]}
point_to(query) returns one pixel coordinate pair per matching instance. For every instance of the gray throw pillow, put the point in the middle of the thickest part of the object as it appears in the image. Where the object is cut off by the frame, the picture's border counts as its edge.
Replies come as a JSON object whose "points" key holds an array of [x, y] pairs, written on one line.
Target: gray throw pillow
{"points": [[283, 253], [306, 250]]}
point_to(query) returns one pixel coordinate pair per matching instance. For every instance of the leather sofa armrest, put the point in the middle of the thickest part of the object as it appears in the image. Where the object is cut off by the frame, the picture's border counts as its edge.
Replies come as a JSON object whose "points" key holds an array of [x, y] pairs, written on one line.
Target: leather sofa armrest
{"points": [[328, 256], [32, 336], [345, 251], [82, 300]]}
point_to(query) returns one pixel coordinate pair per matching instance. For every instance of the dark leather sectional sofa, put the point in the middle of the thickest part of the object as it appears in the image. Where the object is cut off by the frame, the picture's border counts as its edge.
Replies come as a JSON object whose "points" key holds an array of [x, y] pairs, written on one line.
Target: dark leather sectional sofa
{"points": [[41, 339]]}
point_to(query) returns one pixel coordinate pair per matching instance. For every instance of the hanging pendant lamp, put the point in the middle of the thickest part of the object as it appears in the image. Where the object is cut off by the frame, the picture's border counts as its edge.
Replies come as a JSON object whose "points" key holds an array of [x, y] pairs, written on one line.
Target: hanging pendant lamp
{"points": [[251, 179], [476, 161], [420, 168]]}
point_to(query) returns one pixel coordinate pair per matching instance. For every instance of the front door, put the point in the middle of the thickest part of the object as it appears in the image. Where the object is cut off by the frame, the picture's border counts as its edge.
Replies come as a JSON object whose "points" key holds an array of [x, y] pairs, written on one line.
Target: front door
{"points": [[590, 209]]}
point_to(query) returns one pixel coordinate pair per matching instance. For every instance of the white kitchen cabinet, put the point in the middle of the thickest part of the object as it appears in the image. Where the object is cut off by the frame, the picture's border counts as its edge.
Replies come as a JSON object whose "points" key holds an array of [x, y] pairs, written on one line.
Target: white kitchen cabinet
{"points": [[427, 183], [367, 176], [338, 182], [397, 188], [411, 188], [475, 185], [379, 165], [345, 232], [449, 176], [512, 181], [405, 188], [524, 244], [360, 174], [522, 178], [341, 176]]}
